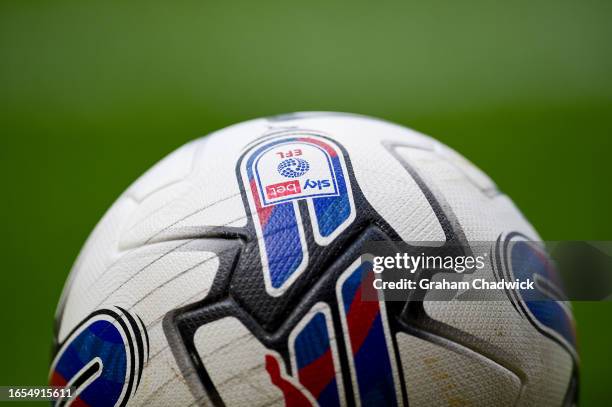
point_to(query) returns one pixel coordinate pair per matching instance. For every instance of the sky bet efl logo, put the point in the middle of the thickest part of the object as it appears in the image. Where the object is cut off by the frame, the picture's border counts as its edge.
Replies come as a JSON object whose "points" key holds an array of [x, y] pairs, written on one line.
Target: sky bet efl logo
{"points": [[294, 170], [281, 175]]}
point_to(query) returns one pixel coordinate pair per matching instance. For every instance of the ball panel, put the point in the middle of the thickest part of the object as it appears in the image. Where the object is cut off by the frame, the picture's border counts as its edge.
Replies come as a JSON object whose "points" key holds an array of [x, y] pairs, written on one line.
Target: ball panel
{"points": [[442, 375], [236, 363]]}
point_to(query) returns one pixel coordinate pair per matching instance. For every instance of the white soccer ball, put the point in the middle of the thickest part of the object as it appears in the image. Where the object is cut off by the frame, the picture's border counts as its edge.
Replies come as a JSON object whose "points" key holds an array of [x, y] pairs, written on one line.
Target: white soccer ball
{"points": [[229, 274]]}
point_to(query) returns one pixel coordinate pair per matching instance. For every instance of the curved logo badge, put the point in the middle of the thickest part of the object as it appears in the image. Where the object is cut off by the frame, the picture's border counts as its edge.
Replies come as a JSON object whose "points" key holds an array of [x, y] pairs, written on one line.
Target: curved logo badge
{"points": [[308, 161], [102, 359], [546, 308], [282, 173]]}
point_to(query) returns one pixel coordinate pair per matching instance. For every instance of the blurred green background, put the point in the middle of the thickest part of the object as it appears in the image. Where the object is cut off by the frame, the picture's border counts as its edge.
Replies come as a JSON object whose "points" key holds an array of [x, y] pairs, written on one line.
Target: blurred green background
{"points": [[94, 93]]}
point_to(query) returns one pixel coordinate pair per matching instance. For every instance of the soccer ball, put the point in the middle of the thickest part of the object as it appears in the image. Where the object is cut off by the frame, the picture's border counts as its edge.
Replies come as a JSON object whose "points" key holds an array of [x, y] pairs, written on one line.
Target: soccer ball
{"points": [[230, 274]]}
